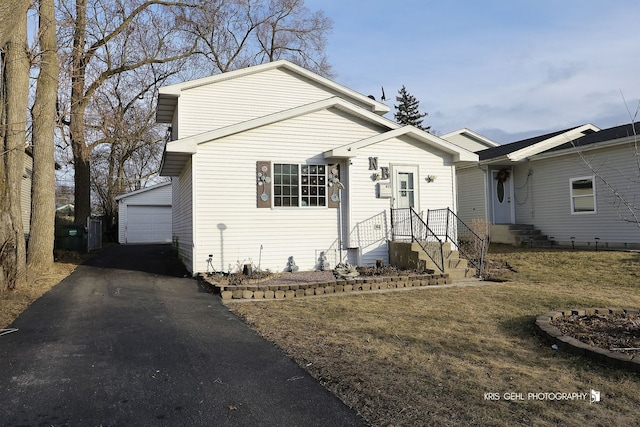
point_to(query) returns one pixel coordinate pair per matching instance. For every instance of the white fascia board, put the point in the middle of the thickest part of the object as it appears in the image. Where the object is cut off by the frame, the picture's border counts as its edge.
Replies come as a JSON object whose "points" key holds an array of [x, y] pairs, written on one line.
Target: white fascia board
{"points": [[375, 106], [351, 150], [184, 145], [550, 143]]}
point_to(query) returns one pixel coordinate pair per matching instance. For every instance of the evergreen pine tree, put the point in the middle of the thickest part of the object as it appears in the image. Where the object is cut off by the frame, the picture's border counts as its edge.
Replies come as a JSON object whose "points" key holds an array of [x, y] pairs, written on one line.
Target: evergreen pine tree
{"points": [[407, 110]]}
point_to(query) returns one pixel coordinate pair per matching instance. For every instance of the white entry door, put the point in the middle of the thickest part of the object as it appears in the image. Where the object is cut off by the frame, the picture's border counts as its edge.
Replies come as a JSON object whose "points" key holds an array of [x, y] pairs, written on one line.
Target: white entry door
{"points": [[405, 187], [501, 192]]}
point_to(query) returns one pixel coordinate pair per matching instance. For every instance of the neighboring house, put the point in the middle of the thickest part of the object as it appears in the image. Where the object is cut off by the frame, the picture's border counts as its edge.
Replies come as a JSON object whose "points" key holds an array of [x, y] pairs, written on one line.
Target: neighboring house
{"points": [[144, 216], [561, 183], [273, 161]]}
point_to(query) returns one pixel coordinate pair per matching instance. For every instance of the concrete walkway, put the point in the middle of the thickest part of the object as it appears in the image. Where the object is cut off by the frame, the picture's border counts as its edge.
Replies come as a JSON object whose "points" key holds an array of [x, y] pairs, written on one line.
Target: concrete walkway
{"points": [[129, 340]]}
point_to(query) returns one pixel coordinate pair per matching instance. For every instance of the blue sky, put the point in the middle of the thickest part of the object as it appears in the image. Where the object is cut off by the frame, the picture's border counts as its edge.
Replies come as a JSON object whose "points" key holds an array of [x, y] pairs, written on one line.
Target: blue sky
{"points": [[506, 69]]}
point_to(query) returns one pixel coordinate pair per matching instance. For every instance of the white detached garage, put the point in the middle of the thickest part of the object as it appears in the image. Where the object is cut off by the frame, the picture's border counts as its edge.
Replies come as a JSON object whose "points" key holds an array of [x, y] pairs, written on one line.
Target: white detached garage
{"points": [[144, 216]]}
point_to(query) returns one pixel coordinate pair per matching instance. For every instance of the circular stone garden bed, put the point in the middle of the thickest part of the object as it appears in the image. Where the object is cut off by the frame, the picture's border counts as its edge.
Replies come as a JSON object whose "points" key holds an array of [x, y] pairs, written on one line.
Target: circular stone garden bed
{"points": [[610, 335]]}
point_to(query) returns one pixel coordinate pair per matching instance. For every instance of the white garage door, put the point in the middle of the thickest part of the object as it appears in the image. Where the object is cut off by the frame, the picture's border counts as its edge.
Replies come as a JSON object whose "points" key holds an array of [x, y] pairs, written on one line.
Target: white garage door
{"points": [[148, 224]]}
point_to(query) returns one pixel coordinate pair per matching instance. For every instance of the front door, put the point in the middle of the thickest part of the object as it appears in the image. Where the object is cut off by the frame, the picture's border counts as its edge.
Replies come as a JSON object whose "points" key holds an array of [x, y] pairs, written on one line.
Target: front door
{"points": [[405, 187], [501, 192]]}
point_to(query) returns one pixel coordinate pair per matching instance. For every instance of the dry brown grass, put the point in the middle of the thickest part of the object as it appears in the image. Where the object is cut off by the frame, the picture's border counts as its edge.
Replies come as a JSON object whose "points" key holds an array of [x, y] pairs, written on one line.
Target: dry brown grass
{"points": [[13, 302], [427, 356]]}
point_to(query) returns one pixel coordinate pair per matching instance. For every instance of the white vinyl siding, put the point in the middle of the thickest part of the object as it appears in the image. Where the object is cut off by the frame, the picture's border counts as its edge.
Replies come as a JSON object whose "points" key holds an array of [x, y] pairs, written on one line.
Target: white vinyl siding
{"points": [[546, 200], [182, 222], [472, 194], [226, 102], [229, 224]]}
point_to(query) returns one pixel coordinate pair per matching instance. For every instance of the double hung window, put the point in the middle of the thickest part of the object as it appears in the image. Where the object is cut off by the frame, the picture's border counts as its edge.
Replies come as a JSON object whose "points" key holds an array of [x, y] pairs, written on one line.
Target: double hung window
{"points": [[583, 195]]}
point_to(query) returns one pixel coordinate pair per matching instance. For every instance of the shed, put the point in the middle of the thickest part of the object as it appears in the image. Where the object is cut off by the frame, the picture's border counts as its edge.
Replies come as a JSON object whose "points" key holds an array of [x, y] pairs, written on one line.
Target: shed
{"points": [[144, 216]]}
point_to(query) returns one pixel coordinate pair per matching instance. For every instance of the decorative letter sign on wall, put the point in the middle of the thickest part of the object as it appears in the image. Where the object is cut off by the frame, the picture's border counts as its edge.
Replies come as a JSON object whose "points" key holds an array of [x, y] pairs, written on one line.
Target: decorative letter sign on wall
{"points": [[373, 163], [384, 173], [263, 177]]}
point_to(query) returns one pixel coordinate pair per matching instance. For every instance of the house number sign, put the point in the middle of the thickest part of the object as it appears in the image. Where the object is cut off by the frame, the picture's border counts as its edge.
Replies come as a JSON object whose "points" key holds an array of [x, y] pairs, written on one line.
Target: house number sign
{"points": [[373, 166]]}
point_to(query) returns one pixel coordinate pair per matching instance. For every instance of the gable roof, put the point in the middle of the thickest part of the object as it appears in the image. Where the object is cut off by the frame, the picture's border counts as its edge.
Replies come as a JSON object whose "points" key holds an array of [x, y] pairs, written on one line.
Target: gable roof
{"points": [[142, 190], [351, 149], [520, 150], [168, 95]]}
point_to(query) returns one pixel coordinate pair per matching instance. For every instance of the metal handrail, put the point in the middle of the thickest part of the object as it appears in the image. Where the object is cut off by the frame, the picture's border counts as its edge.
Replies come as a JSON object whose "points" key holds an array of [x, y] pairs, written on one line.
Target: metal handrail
{"points": [[405, 222], [468, 243]]}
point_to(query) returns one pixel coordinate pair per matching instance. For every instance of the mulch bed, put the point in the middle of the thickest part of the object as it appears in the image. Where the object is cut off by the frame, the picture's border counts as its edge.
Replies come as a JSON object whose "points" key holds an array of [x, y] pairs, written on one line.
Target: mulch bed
{"points": [[615, 332]]}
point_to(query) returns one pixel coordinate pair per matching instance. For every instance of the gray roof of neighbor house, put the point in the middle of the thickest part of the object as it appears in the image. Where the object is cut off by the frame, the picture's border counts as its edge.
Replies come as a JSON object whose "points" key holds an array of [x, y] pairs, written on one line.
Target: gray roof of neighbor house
{"points": [[591, 137], [610, 134], [503, 150]]}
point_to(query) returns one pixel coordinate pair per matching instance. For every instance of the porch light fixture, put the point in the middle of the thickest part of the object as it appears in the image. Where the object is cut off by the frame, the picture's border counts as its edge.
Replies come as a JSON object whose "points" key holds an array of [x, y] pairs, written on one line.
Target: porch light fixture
{"points": [[430, 178]]}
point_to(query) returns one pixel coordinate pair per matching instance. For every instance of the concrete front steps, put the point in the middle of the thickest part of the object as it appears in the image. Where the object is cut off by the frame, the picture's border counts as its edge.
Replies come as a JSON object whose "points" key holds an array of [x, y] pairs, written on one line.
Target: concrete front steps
{"points": [[410, 255], [529, 235], [519, 235]]}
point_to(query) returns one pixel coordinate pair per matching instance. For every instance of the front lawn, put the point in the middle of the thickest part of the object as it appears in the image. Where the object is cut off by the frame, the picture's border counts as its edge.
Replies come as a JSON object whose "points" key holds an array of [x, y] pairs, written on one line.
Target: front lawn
{"points": [[465, 355]]}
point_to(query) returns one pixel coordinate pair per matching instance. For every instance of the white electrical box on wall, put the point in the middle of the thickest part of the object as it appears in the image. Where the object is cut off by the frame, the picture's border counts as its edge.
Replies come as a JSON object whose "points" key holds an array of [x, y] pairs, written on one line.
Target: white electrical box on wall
{"points": [[384, 190]]}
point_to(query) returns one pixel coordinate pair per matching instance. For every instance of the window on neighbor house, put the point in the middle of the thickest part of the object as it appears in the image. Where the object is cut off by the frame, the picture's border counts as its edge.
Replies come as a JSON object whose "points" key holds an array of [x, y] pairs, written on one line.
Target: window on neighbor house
{"points": [[583, 195], [299, 185]]}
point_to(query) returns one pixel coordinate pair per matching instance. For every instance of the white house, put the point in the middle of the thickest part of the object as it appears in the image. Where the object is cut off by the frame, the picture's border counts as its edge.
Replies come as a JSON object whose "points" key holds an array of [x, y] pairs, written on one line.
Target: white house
{"points": [[144, 216], [572, 186], [273, 161]]}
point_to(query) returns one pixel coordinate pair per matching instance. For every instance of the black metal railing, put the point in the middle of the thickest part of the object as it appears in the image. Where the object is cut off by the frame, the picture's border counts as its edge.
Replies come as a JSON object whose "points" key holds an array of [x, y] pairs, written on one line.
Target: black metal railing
{"points": [[448, 227], [406, 223]]}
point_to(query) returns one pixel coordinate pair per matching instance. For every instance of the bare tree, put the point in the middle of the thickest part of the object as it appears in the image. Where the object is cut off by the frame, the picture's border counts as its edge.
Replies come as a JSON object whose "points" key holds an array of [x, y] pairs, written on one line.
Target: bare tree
{"points": [[41, 237], [234, 34], [291, 31], [114, 38], [15, 89], [128, 151]]}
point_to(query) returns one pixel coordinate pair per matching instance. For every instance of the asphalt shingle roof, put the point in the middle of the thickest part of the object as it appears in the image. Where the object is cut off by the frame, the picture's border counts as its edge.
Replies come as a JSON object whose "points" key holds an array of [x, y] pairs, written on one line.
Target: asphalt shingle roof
{"points": [[503, 150], [609, 134], [616, 132]]}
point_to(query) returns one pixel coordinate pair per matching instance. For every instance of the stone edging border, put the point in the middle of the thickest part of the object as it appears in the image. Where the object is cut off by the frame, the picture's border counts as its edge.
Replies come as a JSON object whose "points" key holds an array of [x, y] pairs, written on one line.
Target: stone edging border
{"points": [[574, 346], [281, 292]]}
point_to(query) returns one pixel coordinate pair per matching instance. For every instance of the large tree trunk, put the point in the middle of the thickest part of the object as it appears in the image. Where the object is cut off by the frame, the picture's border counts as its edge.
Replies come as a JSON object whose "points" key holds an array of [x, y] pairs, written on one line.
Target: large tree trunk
{"points": [[41, 240], [81, 154], [16, 88], [10, 11]]}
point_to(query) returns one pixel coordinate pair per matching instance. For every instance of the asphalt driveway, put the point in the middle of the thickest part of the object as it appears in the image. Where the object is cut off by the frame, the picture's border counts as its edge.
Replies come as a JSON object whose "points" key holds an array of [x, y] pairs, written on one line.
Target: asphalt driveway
{"points": [[130, 340]]}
